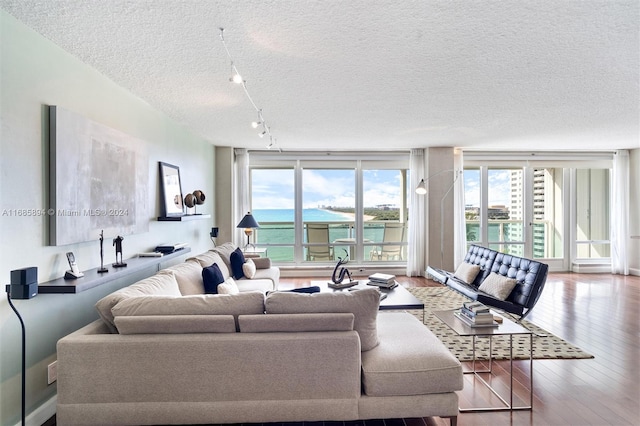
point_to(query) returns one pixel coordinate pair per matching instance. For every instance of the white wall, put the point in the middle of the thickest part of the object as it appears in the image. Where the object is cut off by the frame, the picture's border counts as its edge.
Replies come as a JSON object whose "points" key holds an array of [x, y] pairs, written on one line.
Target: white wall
{"points": [[35, 73]]}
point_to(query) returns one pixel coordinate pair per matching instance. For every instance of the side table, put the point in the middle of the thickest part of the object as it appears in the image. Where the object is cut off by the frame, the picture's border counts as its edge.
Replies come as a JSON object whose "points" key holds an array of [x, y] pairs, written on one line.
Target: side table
{"points": [[507, 328], [255, 252]]}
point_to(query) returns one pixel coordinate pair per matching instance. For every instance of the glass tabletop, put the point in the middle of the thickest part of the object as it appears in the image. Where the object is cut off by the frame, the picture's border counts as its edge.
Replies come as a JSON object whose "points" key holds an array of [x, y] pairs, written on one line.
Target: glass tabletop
{"points": [[507, 327]]}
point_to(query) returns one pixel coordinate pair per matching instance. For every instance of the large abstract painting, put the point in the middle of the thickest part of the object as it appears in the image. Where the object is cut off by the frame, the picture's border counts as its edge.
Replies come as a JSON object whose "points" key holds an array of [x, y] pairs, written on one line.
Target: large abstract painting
{"points": [[98, 180]]}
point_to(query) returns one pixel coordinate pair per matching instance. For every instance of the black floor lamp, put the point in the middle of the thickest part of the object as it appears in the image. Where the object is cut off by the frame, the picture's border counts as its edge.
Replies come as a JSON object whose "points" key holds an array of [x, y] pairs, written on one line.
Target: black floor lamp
{"points": [[24, 285], [421, 189], [24, 384]]}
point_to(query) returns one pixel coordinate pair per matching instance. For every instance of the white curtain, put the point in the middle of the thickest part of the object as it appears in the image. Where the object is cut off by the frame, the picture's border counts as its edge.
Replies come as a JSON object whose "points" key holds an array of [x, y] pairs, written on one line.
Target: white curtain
{"points": [[242, 199], [417, 220], [459, 223], [620, 213]]}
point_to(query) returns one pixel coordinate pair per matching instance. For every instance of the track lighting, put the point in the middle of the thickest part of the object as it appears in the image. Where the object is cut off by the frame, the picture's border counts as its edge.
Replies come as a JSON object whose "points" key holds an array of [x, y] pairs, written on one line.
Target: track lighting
{"points": [[235, 75], [236, 78]]}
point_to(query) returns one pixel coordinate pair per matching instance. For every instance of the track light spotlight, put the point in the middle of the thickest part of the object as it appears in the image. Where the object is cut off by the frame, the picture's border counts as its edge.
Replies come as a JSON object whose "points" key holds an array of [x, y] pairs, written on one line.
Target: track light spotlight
{"points": [[237, 78], [235, 75]]}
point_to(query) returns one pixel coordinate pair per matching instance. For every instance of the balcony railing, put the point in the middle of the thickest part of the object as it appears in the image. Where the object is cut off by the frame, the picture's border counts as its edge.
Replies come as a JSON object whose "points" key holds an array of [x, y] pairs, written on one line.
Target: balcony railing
{"points": [[280, 240]]}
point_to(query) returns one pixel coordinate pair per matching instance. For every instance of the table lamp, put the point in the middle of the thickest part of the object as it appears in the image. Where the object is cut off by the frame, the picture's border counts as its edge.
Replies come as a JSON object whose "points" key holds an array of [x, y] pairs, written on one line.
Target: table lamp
{"points": [[248, 223]]}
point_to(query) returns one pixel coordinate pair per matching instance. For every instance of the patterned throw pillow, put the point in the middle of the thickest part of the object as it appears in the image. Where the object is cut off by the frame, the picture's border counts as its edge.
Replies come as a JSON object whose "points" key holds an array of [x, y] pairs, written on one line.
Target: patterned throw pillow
{"points": [[212, 276], [467, 272], [498, 286]]}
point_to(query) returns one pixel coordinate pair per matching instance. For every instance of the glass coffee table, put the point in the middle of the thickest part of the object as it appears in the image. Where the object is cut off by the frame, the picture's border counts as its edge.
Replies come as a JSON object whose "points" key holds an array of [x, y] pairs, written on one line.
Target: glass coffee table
{"points": [[506, 328], [397, 298]]}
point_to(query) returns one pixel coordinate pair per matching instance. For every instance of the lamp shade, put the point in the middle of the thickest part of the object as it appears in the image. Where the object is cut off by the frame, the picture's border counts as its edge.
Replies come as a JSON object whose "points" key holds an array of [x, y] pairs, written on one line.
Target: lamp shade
{"points": [[422, 188], [248, 221]]}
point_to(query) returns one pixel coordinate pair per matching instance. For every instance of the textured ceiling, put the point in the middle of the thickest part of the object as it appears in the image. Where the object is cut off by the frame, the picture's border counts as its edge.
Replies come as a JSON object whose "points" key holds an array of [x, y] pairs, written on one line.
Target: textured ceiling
{"points": [[367, 74]]}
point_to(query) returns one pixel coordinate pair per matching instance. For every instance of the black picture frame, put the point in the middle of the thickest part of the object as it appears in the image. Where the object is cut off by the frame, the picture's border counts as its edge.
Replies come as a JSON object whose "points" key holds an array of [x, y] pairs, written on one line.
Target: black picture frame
{"points": [[171, 199]]}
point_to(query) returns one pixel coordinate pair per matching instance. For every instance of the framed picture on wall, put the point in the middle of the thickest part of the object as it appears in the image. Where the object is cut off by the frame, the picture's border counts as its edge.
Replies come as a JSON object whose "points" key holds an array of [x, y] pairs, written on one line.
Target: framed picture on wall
{"points": [[171, 200]]}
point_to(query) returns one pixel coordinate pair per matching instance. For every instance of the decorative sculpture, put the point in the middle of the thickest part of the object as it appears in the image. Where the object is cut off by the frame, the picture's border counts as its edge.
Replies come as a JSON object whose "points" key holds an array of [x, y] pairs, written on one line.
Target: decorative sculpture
{"points": [[118, 243], [343, 271], [194, 199], [102, 268]]}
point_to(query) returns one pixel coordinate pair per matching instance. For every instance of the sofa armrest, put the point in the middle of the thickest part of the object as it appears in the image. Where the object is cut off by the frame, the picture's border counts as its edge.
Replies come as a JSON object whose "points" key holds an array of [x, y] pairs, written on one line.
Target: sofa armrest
{"points": [[262, 262]]}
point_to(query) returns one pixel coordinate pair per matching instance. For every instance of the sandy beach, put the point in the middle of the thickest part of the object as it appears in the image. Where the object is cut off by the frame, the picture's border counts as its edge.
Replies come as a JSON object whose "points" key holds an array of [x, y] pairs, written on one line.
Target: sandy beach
{"points": [[349, 216]]}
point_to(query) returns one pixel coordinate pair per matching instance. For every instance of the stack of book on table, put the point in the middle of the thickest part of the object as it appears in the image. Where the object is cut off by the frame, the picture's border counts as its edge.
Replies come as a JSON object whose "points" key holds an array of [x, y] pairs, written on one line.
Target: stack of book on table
{"points": [[383, 280], [475, 314]]}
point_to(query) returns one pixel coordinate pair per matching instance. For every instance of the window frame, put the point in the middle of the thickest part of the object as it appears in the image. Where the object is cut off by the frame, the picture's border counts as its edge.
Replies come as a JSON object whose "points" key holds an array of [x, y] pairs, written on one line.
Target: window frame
{"points": [[394, 160]]}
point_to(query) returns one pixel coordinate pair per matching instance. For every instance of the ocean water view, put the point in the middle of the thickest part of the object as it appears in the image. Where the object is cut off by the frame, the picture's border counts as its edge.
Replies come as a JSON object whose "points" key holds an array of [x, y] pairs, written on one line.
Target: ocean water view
{"points": [[282, 232], [277, 232], [308, 215]]}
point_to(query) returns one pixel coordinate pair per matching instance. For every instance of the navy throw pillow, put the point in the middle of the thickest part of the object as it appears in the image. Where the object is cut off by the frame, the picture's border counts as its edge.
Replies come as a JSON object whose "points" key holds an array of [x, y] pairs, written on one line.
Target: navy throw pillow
{"points": [[237, 260], [212, 276], [312, 289]]}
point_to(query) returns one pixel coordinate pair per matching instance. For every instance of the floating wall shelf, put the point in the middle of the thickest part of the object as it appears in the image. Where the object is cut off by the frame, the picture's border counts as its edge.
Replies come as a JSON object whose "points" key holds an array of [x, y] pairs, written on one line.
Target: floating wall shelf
{"points": [[92, 278], [184, 218]]}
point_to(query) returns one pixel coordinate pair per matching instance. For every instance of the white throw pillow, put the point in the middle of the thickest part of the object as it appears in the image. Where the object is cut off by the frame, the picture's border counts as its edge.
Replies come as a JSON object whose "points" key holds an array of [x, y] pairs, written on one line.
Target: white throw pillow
{"points": [[498, 286], [229, 286], [467, 272], [249, 269]]}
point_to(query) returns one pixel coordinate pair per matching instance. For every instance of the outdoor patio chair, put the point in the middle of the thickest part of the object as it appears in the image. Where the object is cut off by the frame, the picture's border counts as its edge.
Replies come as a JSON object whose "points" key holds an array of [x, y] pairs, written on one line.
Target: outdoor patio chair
{"points": [[393, 233], [318, 233]]}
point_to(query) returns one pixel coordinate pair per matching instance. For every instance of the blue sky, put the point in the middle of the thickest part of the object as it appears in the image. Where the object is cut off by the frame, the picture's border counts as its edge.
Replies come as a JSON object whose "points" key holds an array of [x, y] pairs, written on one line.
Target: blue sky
{"points": [[274, 189]]}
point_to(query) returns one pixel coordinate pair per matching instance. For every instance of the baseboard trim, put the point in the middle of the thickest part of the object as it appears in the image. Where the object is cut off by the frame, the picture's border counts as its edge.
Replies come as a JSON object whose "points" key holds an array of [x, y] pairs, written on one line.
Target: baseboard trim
{"points": [[41, 414], [585, 268]]}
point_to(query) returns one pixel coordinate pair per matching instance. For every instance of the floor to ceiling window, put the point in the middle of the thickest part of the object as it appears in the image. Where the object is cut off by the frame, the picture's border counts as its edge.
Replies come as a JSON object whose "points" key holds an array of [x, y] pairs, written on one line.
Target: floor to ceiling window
{"points": [[592, 214], [526, 208], [315, 210], [273, 206]]}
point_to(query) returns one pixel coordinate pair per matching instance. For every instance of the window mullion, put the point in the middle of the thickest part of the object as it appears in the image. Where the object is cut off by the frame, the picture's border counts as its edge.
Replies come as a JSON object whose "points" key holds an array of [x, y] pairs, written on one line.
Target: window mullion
{"points": [[298, 249]]}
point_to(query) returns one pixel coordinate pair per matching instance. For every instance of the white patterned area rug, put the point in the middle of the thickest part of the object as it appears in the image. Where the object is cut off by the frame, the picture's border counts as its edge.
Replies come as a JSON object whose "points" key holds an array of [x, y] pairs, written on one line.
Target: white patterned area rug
{"points": [[545, 344]]}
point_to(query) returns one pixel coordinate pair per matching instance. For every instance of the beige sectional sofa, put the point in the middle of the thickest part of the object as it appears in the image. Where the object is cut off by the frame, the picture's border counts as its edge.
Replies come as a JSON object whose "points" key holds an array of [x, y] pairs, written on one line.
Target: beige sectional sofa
{"points": [[161, 356]]}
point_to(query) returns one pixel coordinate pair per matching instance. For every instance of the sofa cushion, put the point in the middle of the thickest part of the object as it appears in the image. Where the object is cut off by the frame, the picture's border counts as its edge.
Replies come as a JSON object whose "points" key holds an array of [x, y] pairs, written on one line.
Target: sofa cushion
{"points": [[467, 272], [224, 251], [210, 304], [410, 360], [255, 284], [249, 269], [295, 323], [212, 277], [363, 304], [229, 286], [210, 257], [189, 277], [175, 324], [498, 286], [237, 260], [157, 285]]}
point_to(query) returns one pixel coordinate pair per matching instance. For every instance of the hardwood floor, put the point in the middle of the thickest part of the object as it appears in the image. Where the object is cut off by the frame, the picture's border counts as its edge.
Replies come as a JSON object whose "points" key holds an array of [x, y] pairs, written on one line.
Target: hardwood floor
{"points": [[597, 312]]}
